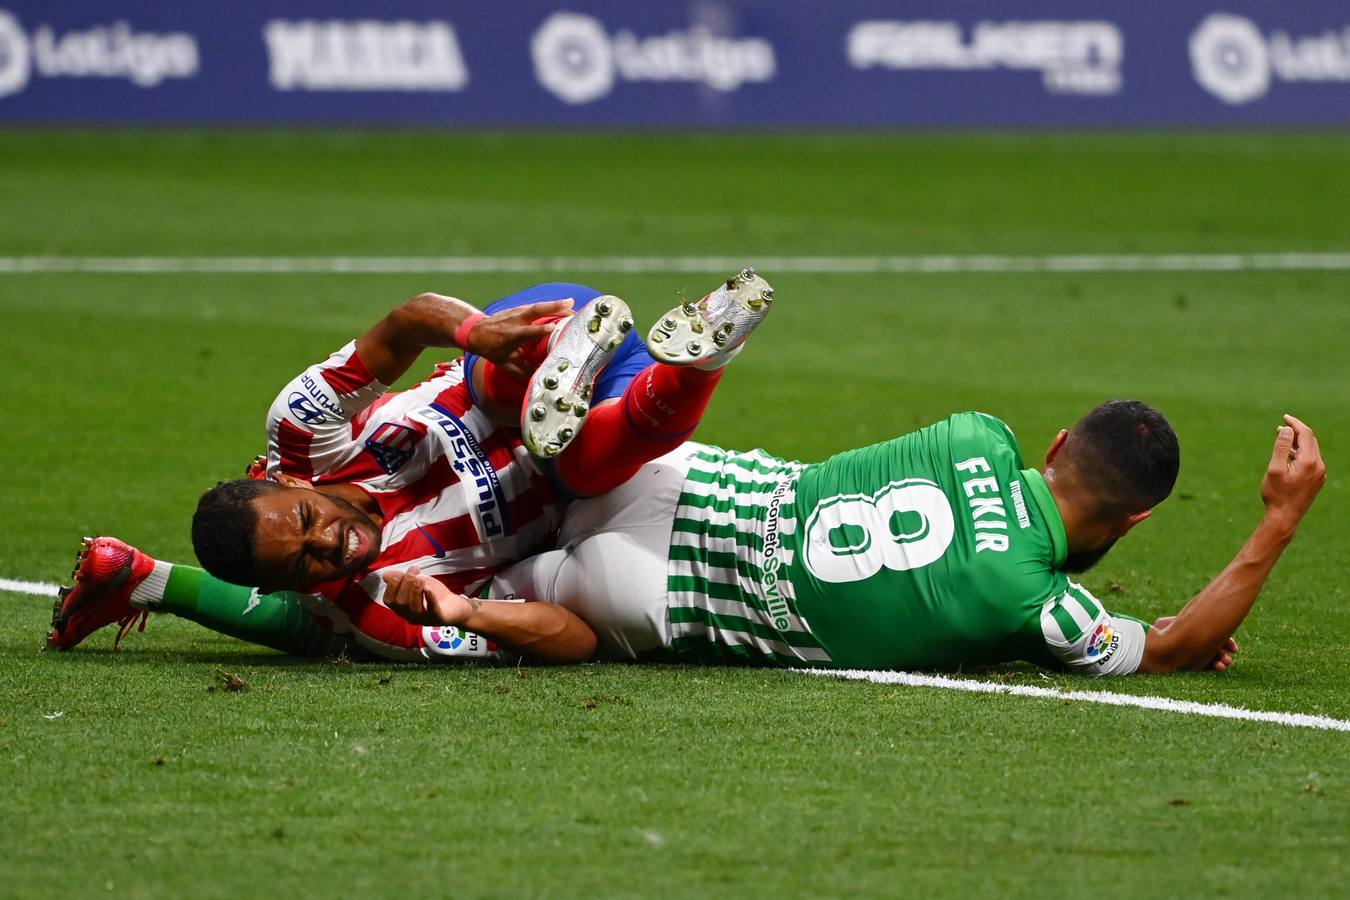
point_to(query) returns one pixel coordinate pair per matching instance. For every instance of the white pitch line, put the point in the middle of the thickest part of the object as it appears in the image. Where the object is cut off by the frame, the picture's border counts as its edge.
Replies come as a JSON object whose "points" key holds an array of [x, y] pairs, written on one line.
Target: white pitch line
{"points": [[1167, 704], [910, 679], [815, 265], [37, 588]]}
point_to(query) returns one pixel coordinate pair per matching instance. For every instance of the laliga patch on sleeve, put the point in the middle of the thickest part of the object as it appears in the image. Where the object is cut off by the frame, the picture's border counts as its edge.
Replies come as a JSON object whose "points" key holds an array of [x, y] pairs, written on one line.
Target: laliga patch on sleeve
{"points": [[447, 640], [1102, 643]]}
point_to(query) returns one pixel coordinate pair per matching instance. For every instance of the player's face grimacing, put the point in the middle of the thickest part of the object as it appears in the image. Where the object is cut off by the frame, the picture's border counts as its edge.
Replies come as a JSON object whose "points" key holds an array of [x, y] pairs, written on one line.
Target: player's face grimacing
{"points": [[304, 537]]}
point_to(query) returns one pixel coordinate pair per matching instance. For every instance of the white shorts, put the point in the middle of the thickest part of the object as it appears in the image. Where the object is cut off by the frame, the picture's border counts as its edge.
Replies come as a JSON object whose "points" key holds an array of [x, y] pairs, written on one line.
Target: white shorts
{"points": [[610, 568]]}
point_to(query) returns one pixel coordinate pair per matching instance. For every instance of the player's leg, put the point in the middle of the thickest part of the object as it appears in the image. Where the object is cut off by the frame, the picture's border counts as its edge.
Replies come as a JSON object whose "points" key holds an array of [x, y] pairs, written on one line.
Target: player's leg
{"points": [[715, 326], [656, 413], [114, 582], [279, 620], [614, 582], [492, 387], [597, 345], [611, 566], [663, 402], [561, 388]]}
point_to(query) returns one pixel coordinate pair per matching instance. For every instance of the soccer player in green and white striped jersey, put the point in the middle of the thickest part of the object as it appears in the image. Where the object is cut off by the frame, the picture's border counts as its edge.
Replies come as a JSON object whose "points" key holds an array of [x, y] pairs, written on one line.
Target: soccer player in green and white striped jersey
{"points": [[939, 548]]}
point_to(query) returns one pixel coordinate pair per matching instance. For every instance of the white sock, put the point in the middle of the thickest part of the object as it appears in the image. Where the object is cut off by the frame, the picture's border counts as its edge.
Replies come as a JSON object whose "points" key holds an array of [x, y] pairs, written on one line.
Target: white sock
{"points": [[150, 592], [718, 360], [558, 329]]}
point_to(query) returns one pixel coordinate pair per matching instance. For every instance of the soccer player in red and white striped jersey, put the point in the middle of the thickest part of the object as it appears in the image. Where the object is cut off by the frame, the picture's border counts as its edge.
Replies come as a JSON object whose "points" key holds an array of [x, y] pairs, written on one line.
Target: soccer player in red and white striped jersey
{"points": [[363, 483], [360, 483], [361, 480], [456, 490]]}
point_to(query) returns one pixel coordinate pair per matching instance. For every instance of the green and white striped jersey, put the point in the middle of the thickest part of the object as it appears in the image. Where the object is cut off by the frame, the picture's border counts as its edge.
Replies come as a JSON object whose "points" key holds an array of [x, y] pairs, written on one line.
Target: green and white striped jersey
{"points": [[935, 549], [727, 553]]}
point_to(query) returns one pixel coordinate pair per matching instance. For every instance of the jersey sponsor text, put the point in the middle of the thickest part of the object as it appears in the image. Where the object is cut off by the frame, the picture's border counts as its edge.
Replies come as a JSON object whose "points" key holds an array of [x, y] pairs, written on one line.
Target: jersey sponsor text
{"points": [[773, 562], [481, 485]]}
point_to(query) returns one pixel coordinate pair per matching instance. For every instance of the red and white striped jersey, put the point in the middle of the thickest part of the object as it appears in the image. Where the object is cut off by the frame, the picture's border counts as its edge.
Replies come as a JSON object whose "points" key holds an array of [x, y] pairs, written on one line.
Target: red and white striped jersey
{"points": [[461, 496]]}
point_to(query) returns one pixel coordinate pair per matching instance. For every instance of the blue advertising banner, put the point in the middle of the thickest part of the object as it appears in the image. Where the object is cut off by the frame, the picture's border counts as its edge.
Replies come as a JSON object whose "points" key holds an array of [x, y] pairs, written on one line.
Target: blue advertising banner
{"points": [[708, 63]]}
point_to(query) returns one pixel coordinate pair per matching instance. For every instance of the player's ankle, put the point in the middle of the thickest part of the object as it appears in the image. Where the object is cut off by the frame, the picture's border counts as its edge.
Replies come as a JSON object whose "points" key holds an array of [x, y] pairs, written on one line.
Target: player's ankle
{"points": [[149, 594], [717, 361]]}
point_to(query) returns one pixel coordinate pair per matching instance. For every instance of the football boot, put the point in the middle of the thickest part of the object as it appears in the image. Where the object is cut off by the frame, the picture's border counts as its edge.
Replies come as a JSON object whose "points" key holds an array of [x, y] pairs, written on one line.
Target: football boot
{"points": [[106, 572], [559, 392], [712, 328]]}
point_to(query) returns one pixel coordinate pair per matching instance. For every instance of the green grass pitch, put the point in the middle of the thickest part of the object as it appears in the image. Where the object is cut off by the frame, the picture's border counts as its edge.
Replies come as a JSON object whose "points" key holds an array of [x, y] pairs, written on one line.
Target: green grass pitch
{"points": [[127, 395]]}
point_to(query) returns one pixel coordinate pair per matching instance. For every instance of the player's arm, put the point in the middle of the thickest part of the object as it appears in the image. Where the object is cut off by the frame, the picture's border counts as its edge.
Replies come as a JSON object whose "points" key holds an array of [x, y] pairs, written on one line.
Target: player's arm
{"points": [[1201, 633], [430, 320], [541, 632], [308, 424]]}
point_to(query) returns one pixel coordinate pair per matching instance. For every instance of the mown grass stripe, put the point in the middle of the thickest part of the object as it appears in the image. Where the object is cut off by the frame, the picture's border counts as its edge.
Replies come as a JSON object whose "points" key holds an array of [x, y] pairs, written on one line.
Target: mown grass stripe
{"points": [[1297, 261]]}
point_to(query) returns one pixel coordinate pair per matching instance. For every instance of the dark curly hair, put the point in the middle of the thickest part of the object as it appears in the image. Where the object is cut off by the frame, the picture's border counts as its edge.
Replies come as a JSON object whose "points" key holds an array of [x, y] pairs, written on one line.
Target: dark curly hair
{"points": [[1126, 453], [222, 528]]}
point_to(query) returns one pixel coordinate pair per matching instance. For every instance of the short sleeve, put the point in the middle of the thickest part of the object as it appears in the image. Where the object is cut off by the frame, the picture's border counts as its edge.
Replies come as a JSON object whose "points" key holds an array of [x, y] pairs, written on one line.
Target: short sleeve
{"points": [[1085, 637], [309, 423]]}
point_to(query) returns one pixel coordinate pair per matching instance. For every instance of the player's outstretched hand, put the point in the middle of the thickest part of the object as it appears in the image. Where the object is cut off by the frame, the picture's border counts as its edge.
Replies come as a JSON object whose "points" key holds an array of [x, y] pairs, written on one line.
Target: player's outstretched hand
{"points": [[1295, 474], [499, 337], [423, 600]]}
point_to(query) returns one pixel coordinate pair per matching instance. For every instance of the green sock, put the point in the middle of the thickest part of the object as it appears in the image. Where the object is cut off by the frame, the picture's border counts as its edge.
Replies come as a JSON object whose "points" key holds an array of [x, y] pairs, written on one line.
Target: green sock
{"points": [[272, 620]]}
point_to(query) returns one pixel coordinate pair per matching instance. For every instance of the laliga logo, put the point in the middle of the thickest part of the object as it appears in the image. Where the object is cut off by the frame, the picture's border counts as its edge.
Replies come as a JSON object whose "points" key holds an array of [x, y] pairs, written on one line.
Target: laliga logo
{"points": [[14, 63], [444, 637], [1229, 58], [573, 58], [100, 51], [1103, 643], [1235, 62], [577, 61]]}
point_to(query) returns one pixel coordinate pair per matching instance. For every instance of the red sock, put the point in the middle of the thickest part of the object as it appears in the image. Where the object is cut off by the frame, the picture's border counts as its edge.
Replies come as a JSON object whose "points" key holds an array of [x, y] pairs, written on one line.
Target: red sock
{"points": [[504, 389], [659, 410]]}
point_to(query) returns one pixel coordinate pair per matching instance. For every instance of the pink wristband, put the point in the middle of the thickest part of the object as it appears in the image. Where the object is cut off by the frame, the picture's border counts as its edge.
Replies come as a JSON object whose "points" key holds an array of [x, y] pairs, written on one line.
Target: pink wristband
{"points": [[462, 332]]}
